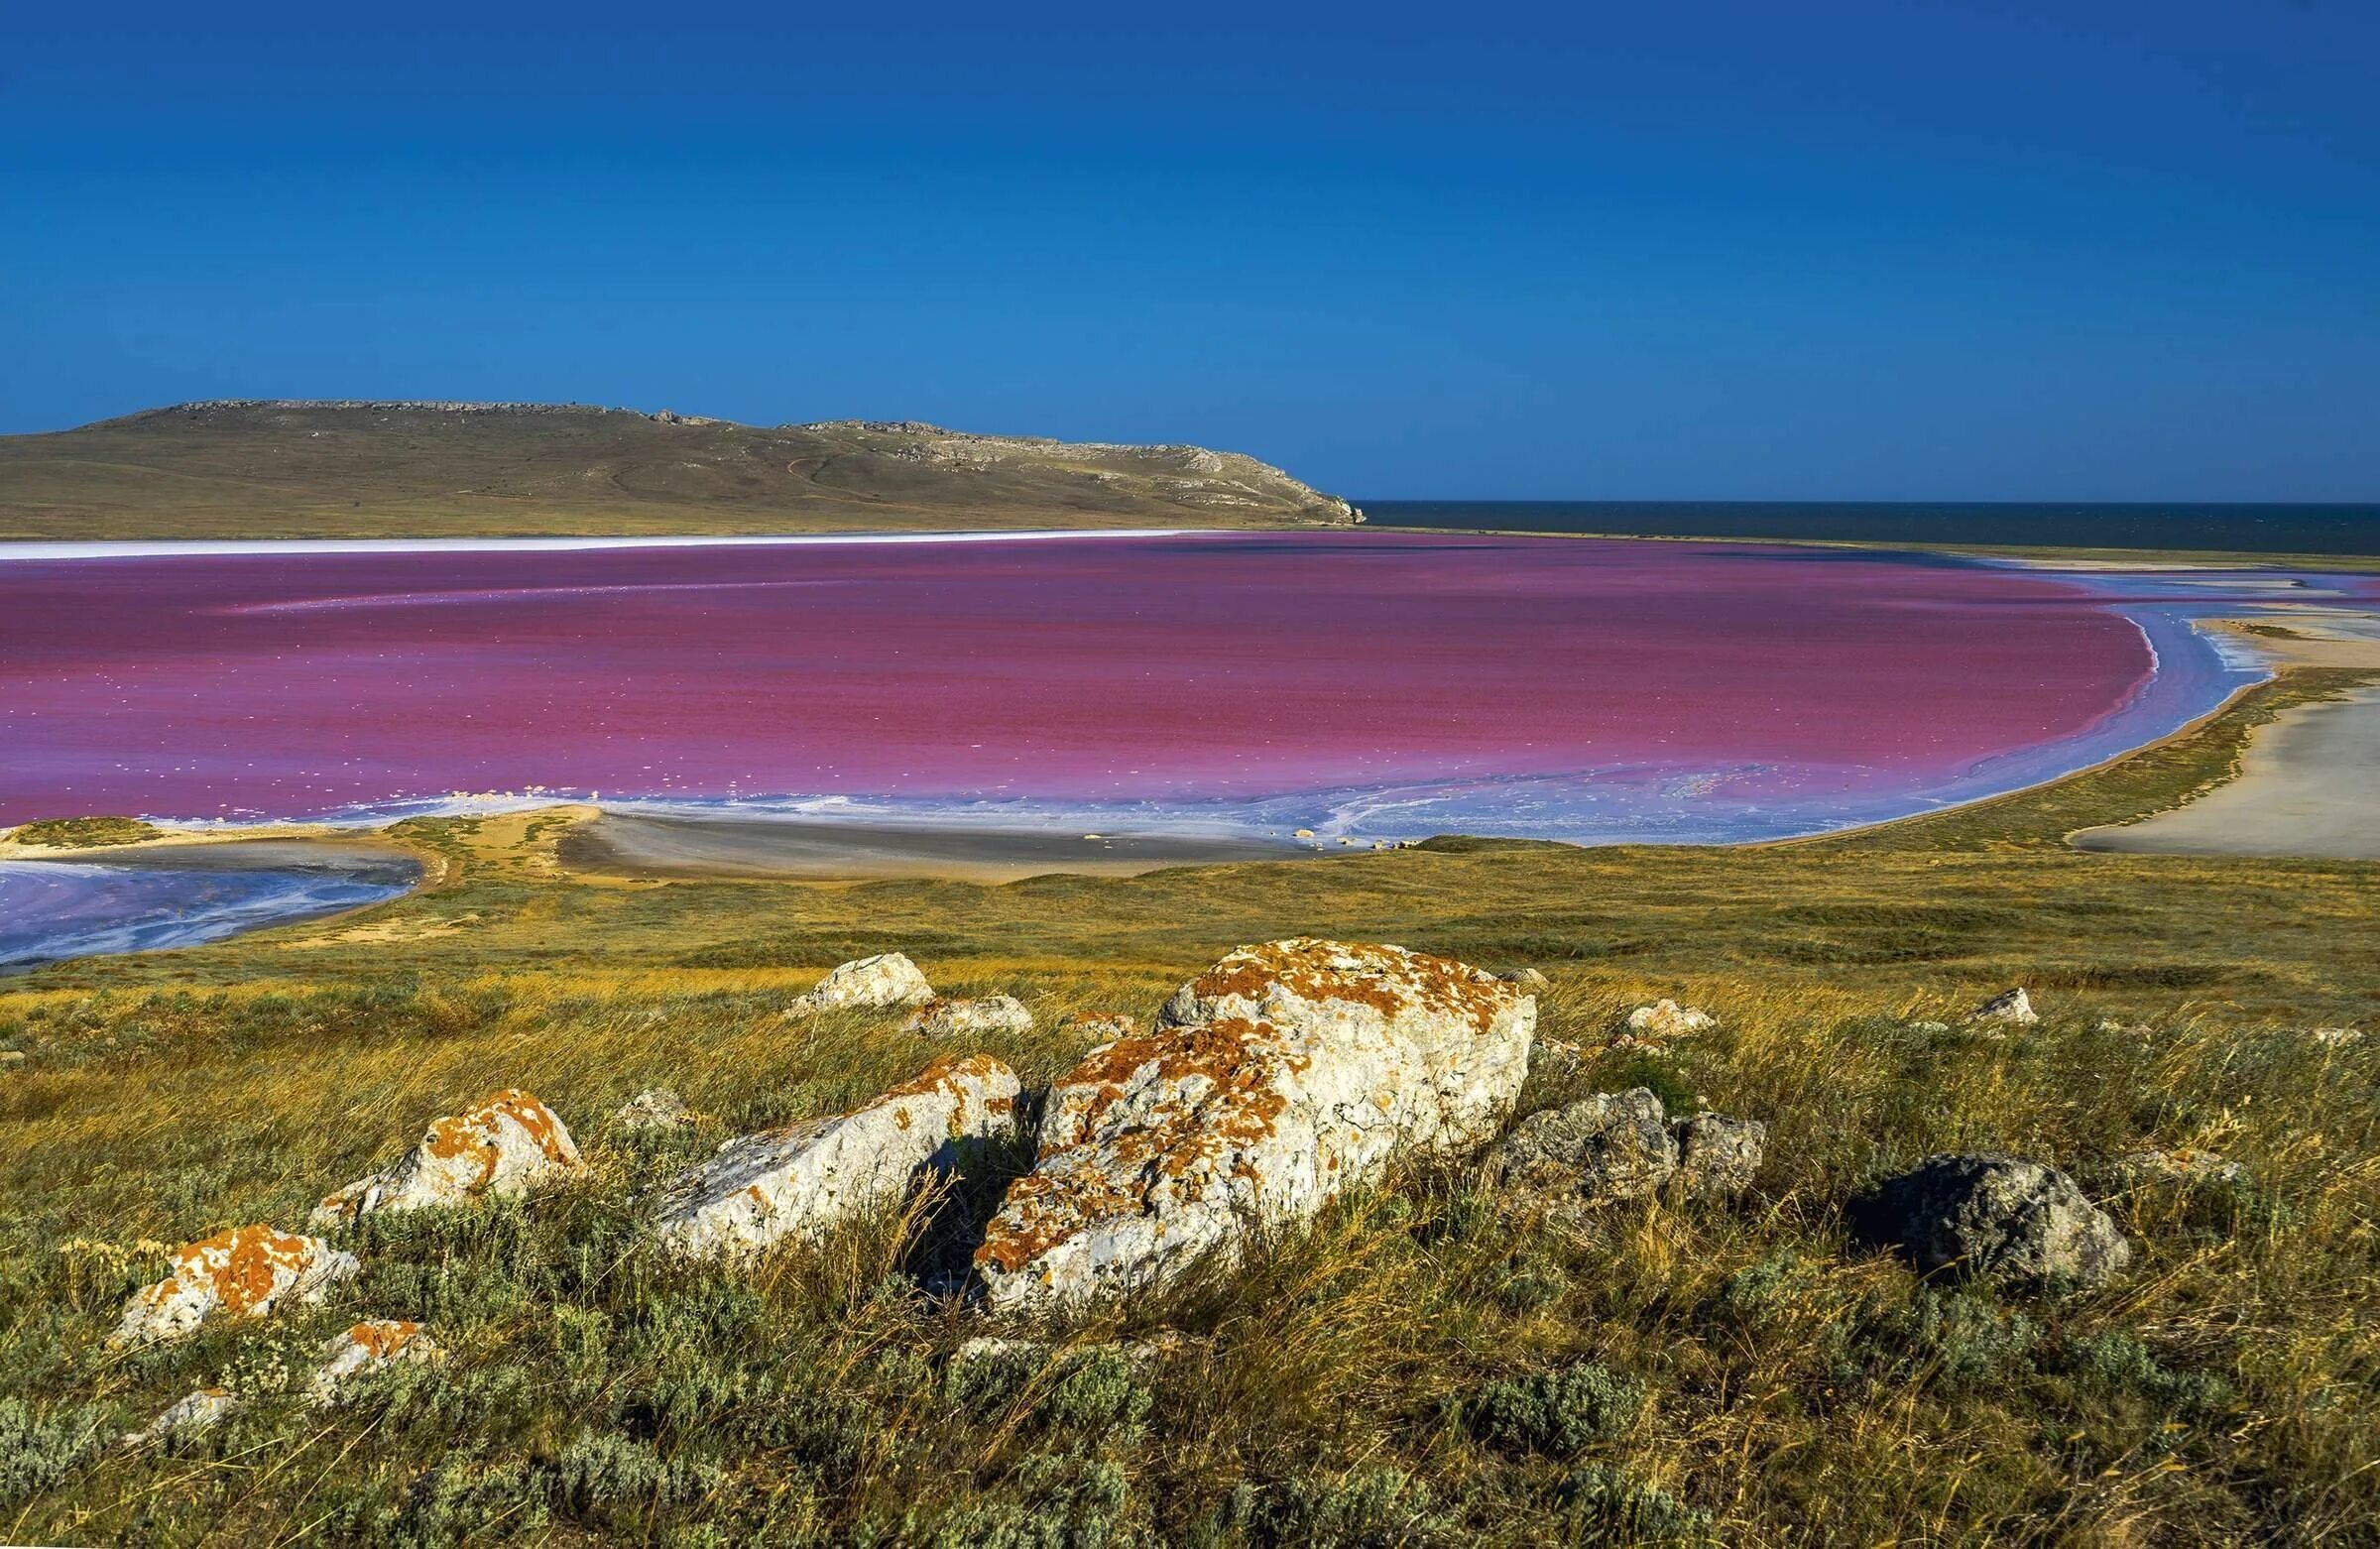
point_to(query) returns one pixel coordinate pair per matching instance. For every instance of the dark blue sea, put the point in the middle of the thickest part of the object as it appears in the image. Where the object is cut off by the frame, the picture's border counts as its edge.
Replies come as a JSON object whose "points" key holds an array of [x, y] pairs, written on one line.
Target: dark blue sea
{"points": [[2259, 529]]}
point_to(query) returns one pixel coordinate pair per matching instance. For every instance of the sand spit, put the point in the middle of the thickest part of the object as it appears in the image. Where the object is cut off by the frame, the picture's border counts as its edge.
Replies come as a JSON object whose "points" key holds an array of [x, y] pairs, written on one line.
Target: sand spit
{"points": [[2308, 786], [622, 844]]}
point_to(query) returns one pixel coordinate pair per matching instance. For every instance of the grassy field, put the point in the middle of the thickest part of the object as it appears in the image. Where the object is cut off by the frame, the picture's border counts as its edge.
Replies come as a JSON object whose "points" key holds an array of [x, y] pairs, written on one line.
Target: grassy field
{"points": [[1422, 1366]]}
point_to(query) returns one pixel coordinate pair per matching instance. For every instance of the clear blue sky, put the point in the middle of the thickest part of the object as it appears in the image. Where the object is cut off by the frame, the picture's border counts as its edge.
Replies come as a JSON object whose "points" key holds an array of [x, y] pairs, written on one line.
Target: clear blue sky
{"points": [[1737, 249]]}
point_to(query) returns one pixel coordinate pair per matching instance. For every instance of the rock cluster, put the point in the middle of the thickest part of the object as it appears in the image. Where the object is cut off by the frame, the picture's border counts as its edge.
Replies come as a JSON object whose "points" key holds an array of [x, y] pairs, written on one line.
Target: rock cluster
{"points": [[798, 1181], [496, 1149], [1277, 1078], [1988, 1216]]}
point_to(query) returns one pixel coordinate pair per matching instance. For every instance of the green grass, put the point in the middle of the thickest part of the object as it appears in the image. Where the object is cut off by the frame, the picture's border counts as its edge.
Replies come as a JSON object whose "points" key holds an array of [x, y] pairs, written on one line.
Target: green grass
{"points": [[1426, 1364], [76, 833]]}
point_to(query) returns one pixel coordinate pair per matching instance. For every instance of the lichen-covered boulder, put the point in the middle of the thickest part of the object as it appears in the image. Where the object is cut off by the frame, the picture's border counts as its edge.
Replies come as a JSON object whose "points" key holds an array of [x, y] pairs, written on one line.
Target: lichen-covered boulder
{"points": [[1277, 1078], [1719, 1155], [2008, 1008], [1614, 1145], [1988, 1216], [804, 1178], [496, 1148], [245, 1272], [654, 1108], [1668, 1020], [370, 1346], [200, 1409], [870, 984], [970, 1018]]}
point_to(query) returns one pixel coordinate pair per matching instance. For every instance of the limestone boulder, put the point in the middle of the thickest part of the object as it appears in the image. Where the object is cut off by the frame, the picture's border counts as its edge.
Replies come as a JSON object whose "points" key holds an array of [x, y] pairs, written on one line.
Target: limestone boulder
{"points": [[246, 1272], [2006, 1219], [200, 1409], [1272, 1082], [1669, 1019], [1719, 1155], [877, 983], [800, 1180], [1614, 1145], [496, 1148], [2008, 1008], [654, 1108], [371, 1345], [970, 1018]]}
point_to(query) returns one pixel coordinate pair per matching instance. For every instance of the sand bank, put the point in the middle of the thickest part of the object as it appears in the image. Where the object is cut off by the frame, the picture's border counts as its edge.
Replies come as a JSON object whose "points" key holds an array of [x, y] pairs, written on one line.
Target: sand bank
{"points": [[2308, 786], [621, 844]]}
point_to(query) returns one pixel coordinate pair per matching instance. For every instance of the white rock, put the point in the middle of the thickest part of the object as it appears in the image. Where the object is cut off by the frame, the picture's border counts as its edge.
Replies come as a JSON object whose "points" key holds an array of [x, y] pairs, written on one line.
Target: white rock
{"points": [[1669, 1019], [2336, 1037], [245, 1272], [496, 1148], [1277, 1078], [654, 1108], [804, 1178], [370, 1346], [2182, 1165], [200, 1409], [967, 1018], [870, 984], [2011, 1006], [1527, 979]]}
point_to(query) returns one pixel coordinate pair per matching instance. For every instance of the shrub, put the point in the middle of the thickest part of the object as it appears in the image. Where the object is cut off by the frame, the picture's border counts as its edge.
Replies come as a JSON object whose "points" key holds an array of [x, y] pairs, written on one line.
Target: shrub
{"points": [[40, 1448], [1608, 1504], [1557, 1412]]}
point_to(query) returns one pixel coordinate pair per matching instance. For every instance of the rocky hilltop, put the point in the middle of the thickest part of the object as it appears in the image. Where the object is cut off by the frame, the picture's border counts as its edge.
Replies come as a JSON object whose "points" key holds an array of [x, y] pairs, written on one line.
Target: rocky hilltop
{"points": [[362, 467]]}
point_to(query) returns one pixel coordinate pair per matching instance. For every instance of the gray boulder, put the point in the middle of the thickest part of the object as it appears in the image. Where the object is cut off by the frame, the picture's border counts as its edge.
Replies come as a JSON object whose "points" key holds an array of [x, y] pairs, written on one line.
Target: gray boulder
{"points": [[1605, 1148], [1988, 1216], [1717, 1155]]}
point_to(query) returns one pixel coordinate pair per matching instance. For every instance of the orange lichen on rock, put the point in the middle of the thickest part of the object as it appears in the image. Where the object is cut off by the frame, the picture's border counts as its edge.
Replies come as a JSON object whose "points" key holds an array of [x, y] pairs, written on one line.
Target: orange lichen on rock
{"points": [[244, 1273], [498, 1147]]}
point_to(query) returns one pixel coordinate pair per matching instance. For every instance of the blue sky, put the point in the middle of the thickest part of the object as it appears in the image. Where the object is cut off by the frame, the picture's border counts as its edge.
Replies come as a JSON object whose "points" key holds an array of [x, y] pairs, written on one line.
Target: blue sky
{"points": [[1719, 250]]}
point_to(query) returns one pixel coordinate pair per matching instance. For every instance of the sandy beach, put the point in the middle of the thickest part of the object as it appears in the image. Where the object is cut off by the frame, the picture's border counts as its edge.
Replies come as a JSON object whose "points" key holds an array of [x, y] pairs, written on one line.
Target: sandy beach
{"points": [[626, 845]]}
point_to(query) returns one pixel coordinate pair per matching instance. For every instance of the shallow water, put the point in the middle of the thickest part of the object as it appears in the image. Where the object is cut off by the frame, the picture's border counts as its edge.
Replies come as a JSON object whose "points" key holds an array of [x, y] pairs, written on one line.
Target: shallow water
{"points": [[145, 901]]}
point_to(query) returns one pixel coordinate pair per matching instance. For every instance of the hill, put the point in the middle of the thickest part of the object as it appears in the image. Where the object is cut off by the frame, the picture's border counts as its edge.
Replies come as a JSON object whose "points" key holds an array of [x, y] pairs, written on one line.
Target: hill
{"points": [[366, 469]]}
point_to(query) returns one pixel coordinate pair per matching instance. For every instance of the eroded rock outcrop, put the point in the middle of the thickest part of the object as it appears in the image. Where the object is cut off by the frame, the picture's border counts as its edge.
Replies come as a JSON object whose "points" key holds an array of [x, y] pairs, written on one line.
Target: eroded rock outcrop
{"points": [[370, 1346], [2005, 1219], [496, 1149], [888, 979], [970, 1018], [245, 1272], [800, 1180], [1272, 1082]]}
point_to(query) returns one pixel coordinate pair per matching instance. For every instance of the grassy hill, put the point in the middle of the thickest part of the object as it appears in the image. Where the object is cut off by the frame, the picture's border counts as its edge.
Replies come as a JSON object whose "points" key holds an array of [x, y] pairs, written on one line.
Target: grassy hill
{"points": [[275, 469], [1418, 1368]]}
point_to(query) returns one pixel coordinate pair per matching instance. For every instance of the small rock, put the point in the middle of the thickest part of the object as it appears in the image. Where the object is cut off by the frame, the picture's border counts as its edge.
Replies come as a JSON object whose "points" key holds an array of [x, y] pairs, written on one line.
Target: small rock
{"points": [[371, 1345], [871, 984], [804, 1178], [245, 1272], [1717, 1155], [1605, 1148], [2336, 1037], [2136, 1029], [1929, 1026], [654, 1108], [968, 1018], [1669, 1019], [494, 1150], [2013, 1008], [12, 1056], [1272, 1081], [2000, 1218], [1102, 1026], [200, 1409], [1526, 979], [2182, 1165], [1137, 1352]]}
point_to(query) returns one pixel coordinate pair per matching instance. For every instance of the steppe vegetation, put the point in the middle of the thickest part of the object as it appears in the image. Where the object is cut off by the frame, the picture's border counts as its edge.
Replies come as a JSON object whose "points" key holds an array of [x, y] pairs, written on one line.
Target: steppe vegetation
{"points": [[1424, 1365]]}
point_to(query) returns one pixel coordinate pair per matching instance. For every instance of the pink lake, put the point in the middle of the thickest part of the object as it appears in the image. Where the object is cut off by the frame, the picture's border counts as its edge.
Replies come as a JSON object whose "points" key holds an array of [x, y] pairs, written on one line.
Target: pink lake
{"points": [[1368, 684]]}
